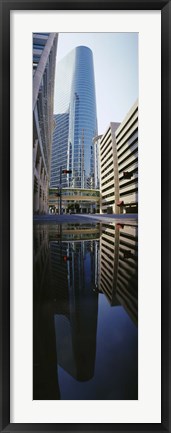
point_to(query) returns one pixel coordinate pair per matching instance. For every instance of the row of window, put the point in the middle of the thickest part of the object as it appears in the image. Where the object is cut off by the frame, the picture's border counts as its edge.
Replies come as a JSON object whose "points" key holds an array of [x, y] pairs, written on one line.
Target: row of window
{"points": [[128, 144], [111, 194], [106, 157], [107, 203], [131, 191], [106, 175], [105, 138], [109, 186], [126, 123], [132, 137], [131, 154], [128, 183], [108, 164], [108, 146], [133, 163]]}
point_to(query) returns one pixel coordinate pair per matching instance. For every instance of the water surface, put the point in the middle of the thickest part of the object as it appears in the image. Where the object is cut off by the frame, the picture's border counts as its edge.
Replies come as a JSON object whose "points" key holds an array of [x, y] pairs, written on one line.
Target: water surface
{"points": [[85, 307]]}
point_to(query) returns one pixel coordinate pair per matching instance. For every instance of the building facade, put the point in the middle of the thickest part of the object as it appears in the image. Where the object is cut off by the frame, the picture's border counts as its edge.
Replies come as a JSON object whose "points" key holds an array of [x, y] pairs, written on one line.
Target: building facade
{"points": [[127, 155], [74, 200], [44, 58], [119, 165], [75, 121], [109, 171]]}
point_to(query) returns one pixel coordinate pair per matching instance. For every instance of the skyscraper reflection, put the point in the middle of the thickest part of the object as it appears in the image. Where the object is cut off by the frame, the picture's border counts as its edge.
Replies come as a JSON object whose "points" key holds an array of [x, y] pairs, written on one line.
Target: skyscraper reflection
{"points": [[65, 306], [76, 324]]}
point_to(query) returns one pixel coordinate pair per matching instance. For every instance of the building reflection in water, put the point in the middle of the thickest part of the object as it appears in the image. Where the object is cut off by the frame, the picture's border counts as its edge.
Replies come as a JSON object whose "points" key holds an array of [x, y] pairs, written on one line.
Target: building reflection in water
{"points": [[72, 265], [65, 305], [45, 380], [118, 276], [76, 320]]}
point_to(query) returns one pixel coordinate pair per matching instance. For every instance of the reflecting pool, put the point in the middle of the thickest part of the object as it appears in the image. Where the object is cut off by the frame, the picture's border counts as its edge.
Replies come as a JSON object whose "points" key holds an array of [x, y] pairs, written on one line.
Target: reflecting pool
{"points": [[85, 312]]}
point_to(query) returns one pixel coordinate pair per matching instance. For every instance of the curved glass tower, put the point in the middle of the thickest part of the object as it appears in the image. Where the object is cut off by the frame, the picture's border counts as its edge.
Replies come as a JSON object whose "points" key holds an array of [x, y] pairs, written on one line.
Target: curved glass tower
{"points": [[75, 121]]}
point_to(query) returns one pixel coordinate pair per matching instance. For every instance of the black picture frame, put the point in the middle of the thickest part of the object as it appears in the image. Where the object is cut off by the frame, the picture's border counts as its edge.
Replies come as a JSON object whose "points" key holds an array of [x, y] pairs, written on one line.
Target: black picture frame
{"points": [[5, 8]]}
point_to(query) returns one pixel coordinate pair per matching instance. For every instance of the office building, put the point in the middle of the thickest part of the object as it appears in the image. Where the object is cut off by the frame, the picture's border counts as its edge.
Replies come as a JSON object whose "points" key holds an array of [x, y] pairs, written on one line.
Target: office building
{"points": [[127, 155], [109, 186], [44, 59], [119, 165], [75, 121]]}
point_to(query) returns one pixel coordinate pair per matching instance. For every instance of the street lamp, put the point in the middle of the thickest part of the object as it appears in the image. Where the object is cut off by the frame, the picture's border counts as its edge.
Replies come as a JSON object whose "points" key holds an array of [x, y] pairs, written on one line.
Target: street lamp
{"points": [[62, 171]]}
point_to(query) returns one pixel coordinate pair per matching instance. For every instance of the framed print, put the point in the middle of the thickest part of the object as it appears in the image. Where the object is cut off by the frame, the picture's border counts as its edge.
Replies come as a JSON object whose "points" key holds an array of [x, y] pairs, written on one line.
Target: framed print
{"points": [[75, 281]]}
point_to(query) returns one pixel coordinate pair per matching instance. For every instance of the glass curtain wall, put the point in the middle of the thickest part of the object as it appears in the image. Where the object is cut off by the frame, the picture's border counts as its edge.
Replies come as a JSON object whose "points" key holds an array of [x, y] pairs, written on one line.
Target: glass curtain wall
{"points": [[75, 121]]}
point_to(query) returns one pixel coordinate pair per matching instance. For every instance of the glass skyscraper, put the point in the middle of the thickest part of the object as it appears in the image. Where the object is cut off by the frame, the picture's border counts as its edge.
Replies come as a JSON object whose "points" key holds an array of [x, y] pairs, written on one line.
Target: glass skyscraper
{"points": [[75, 121]]}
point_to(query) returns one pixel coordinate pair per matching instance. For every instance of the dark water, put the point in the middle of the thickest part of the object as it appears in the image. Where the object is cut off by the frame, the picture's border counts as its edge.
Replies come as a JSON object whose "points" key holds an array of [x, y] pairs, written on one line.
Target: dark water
{"points": [[85, 312]]}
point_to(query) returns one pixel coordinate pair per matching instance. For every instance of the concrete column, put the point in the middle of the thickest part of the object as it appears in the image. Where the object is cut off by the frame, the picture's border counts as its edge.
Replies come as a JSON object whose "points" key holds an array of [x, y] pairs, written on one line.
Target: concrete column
{"points": [[39, 183], [116, 172], [36, 197], [46, 192], [40, 199], [42, 189], [39, 165], [35, 146]]}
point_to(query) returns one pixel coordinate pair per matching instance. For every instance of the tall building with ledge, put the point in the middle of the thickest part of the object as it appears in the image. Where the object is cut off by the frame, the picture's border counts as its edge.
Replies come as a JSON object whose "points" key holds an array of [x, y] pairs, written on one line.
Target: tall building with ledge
{"points": [[109, 185], [75, 121], [127, 161], [44, 59], [119, 165]]}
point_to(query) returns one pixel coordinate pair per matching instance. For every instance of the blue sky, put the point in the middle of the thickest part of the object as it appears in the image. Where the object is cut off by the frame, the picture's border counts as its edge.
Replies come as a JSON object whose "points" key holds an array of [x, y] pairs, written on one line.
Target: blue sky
{"points": [[116, 71]]}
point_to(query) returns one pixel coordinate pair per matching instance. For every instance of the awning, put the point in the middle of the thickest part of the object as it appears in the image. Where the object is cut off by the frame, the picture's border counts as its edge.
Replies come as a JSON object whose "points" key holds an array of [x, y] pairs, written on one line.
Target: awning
{"points": [[120, 203]]}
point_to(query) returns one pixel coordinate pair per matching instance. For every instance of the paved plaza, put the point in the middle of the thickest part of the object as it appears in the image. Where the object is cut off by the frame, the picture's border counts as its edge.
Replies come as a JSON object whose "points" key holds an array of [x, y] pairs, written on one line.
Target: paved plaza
{"points": [[131, 219]]}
